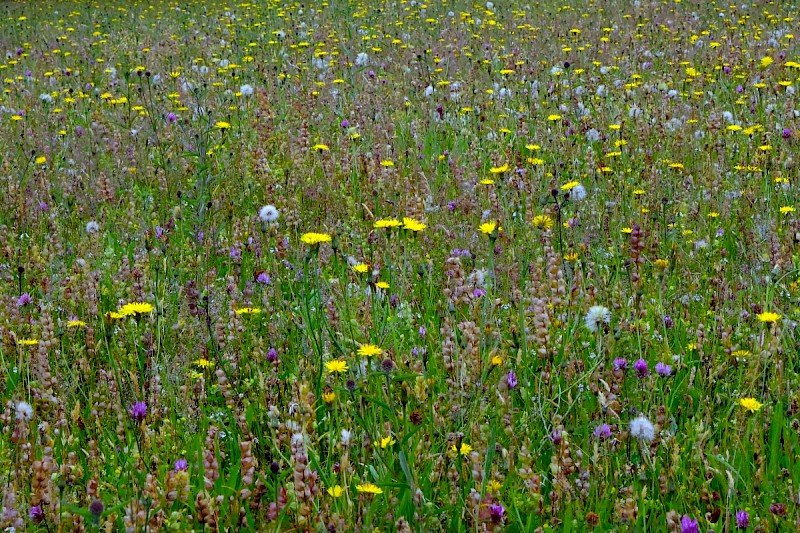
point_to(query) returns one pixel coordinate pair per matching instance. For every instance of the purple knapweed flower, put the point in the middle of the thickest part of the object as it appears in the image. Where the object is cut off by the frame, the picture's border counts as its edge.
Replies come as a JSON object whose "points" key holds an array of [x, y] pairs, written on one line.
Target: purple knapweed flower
{"points": [[663, 370], [497, 513], [478, 293], [620, 363], [688, 525], [602, 432], [23, 300], [272, 355], [181, 465], [37, 514], [263, 278], [171, 118], [742, 520], [641, 368], [787, 133], [345, 123], [139, 411], [511, 379]]}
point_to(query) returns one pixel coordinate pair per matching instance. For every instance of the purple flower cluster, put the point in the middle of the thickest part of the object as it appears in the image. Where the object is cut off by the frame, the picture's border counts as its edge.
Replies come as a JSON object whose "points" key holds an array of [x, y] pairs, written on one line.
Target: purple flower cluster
{"points": [[139, 411]]}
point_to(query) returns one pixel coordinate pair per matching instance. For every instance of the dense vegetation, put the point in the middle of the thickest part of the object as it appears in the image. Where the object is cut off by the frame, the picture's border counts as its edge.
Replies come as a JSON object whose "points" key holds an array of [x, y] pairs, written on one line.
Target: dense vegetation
{"points": [[399, 266]]}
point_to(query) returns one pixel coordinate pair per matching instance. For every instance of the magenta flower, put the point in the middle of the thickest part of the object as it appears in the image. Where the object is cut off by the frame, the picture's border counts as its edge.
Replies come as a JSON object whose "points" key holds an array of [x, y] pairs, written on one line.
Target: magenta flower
{"points": [[689, 526], [139, 411], [511, 379], [742, 520], [663, 370], [641, 368], [603, 432], [37, 514]]}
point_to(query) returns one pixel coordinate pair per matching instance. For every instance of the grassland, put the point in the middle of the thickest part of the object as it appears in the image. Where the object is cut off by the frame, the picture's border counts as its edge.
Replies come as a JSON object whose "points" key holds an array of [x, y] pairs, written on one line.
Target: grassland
{"points": [[399, 266]]}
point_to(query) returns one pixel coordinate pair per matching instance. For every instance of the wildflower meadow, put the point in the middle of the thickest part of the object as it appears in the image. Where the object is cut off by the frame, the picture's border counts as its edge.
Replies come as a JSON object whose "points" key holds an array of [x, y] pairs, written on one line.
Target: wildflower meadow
{"points": [[399, 266]]}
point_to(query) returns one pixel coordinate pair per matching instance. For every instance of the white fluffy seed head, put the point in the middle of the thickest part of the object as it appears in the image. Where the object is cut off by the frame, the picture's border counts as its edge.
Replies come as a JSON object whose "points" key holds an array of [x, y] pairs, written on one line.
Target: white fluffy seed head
{"points": [[597, 315], [643, 429], [268, 213], [24, 411], [578, 192]]}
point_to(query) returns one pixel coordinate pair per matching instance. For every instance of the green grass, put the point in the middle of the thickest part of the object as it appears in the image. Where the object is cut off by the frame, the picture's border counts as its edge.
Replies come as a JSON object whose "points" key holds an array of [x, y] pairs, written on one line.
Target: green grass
{"points": [[134, 163]]}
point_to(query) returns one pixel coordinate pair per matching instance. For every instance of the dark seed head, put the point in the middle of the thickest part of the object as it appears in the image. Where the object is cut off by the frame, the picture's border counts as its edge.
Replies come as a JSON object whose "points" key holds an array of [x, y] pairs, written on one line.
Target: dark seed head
{"points": [[96, 508]]}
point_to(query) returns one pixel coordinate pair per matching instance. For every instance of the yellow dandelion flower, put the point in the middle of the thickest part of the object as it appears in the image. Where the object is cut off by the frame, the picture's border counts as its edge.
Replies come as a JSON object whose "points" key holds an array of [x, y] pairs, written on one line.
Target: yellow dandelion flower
{"points": [[766, 61], [387, 223], [248, 311], [222, 125], [336, 491], [662, 263], [360, 268], [554, 117], [336, 367], [387, 163], [115, 315], [41, 160], [328, 396], [768, 317], [76, 324], [464, 450], [570, 185], [627, 231], [487, 181], [385, 442], [497, 360], [368, 350], [543, 221], [500, 169], [315, 238], [751, 404], [321, 147], [27, 342], [413, 225], [369, 488], [787, 209], [135, 308], [382, 285], [488, 228], [203, 363]]}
